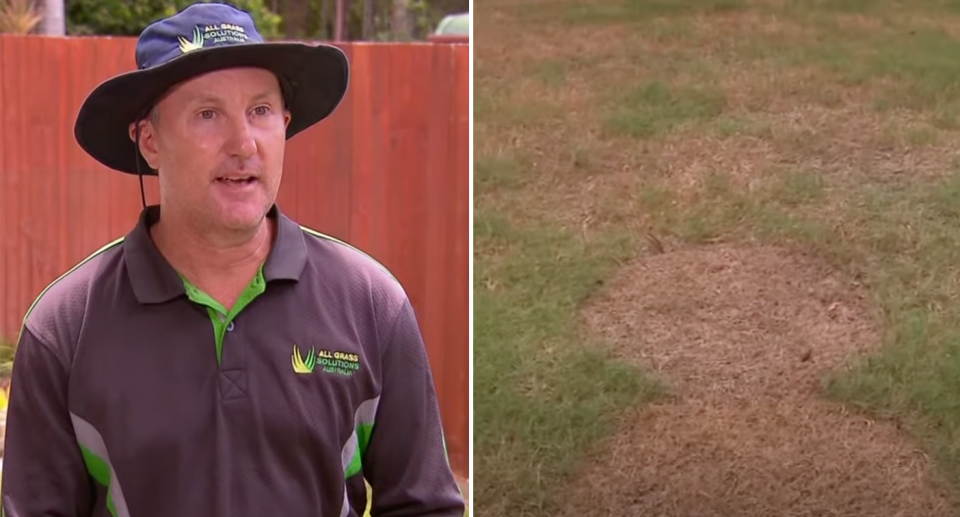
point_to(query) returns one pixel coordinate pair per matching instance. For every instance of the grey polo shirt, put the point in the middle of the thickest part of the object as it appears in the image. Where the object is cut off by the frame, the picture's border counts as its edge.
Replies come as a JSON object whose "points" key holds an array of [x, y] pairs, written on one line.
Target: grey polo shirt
{"points": [[135, 394]]}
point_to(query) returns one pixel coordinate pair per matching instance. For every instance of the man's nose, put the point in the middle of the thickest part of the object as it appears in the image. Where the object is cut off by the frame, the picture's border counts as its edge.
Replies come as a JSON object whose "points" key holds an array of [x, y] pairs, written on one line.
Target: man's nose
{"points": [[241, 142]]}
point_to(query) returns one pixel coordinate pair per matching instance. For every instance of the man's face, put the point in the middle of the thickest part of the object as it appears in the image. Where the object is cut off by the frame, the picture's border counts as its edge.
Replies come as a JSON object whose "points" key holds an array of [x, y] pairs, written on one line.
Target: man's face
{"points": [[218, 143]]}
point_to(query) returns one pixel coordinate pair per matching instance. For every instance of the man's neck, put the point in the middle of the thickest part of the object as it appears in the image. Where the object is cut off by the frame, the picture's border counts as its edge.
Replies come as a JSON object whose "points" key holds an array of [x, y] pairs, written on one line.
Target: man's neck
{"points": [[220, 264]]}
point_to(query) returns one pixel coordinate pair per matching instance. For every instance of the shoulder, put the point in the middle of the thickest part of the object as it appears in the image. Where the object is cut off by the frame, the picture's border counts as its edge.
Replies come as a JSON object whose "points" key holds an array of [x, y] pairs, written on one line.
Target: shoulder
{"points": [[57, 313], [362, 289], [340, 261]]}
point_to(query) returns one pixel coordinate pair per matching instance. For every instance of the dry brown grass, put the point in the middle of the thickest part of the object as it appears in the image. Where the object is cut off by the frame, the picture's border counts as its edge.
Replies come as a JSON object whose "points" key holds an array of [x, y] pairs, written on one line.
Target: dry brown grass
{"points": [[686, 159], [745, 334], [815, 120], [860, 22], [725, 321], [718, 31], [948, 24], [799, 117], [785, 458]]}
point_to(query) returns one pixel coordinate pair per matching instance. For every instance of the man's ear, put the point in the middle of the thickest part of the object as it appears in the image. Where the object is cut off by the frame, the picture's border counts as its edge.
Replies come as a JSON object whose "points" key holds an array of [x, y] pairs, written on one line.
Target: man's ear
{"points": [[148, 142], [287, 117]]}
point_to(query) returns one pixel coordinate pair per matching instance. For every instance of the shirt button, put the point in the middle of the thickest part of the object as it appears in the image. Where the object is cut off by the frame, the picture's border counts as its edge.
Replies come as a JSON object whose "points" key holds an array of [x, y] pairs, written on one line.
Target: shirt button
{"points": [[229, 326]]}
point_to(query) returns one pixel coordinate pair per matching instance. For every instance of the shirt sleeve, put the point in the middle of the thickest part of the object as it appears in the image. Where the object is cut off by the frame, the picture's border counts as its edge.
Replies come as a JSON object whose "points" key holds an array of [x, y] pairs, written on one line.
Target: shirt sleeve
{"points": [[406, 461], [43, 469]]}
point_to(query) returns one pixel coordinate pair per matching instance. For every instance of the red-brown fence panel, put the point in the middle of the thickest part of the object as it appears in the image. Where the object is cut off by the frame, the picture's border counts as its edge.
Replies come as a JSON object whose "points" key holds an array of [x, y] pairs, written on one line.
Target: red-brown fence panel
{"points": [[388, 172]]}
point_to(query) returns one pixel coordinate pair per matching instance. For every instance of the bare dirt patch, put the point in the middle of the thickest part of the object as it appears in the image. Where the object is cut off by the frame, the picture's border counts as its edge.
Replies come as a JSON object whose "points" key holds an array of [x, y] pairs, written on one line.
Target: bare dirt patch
{"points": [[744, 335]]}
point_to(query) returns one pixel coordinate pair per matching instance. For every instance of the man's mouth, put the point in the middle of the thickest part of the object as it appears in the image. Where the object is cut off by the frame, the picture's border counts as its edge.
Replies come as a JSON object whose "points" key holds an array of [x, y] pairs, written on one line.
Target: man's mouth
{"points": [[240, 180]]}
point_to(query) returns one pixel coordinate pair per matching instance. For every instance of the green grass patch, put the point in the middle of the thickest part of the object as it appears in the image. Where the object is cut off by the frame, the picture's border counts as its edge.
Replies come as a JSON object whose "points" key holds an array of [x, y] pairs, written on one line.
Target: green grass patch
{"points": [[914, 379], [926, 65], [836, 6], [551, 72], [656, 107], [910, 66], [543, 392], [722, 212], [499, 172], [800, 188], [499, 105], [910, 238], [644, 10]]}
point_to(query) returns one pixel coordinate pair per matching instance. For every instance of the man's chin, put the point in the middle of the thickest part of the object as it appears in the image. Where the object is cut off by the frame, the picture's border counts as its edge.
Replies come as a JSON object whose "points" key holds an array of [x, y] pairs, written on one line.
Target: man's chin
{"points": [[240, 219]]}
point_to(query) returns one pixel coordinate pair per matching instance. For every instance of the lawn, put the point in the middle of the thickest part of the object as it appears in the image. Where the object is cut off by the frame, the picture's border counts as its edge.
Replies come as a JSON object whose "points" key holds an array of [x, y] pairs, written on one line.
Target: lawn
{"points": [[618, 138]]}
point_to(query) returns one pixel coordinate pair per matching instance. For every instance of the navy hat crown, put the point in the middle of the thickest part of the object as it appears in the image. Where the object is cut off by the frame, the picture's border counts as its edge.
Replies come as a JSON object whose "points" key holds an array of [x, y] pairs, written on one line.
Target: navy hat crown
{"points": [[199, 26], [202, 38]]}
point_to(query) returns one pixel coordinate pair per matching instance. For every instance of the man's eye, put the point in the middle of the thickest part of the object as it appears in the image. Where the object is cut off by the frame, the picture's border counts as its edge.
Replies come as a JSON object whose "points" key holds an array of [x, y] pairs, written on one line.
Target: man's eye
{"points": [[207, 114], [261, 110]]}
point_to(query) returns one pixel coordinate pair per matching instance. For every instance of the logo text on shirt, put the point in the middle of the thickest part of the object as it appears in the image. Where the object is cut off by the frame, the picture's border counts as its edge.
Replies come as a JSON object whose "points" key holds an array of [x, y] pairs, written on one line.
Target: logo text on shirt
{"points": [[329, 361]]}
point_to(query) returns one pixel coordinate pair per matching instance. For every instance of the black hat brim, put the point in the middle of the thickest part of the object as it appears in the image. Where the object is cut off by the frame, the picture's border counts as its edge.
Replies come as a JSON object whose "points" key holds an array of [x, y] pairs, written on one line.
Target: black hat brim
{"points": [[316, 76]]}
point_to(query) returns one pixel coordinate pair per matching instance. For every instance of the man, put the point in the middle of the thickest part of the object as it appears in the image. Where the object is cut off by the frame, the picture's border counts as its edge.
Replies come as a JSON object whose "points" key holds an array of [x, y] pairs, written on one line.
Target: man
{"points": [[221, 360]]}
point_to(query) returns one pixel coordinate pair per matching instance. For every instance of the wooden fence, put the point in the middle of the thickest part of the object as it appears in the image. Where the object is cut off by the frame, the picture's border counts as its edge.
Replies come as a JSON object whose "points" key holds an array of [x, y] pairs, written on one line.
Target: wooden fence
{"points": [[388, 172]]}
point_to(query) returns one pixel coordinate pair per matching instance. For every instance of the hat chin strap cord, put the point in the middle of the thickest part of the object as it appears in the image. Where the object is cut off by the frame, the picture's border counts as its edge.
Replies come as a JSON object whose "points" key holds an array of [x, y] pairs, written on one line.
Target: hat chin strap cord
{"points": [[136, 150]]}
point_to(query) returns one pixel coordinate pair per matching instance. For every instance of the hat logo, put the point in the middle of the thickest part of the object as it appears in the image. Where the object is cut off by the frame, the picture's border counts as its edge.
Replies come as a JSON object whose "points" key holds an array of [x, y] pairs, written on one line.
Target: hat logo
{"points": [[196, 44], [218, 33]]}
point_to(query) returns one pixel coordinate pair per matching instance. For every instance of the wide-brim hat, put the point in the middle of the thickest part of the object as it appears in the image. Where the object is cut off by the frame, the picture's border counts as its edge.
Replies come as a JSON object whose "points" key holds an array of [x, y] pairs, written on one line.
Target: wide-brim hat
{"points": [[203, 38]]}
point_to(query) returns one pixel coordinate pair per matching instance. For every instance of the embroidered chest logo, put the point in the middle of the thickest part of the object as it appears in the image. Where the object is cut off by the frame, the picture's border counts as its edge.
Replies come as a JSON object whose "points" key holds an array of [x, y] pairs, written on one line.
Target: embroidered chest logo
{"points": [[328, 361]]}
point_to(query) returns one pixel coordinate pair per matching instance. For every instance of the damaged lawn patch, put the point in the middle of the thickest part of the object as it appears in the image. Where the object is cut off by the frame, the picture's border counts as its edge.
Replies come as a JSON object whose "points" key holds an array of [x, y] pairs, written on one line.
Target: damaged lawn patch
{"points": [[656, 107]]}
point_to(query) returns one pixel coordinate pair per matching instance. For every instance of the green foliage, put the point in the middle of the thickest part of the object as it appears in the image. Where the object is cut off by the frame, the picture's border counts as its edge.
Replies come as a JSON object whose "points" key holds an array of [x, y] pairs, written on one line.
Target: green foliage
{"points": [[7, 352], [130, 17], [424, 16]]}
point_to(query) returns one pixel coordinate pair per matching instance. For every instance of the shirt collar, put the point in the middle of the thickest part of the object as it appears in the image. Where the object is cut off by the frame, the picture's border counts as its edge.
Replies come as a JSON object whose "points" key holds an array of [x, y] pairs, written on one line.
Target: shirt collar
{"points": [[155, 281]]}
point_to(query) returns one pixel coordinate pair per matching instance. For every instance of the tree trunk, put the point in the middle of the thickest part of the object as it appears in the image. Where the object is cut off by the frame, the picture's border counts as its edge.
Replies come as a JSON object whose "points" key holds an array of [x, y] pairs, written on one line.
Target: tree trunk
{"points": [[400, 25], [369, 29], [53, 23], [338, 22], [325, 28], [296, 16]]}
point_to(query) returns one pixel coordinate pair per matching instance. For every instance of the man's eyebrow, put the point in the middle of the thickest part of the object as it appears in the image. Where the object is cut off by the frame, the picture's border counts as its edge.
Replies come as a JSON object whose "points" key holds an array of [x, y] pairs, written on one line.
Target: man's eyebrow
{"points": [[206, 99], [216, 101], [267, 95]]}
